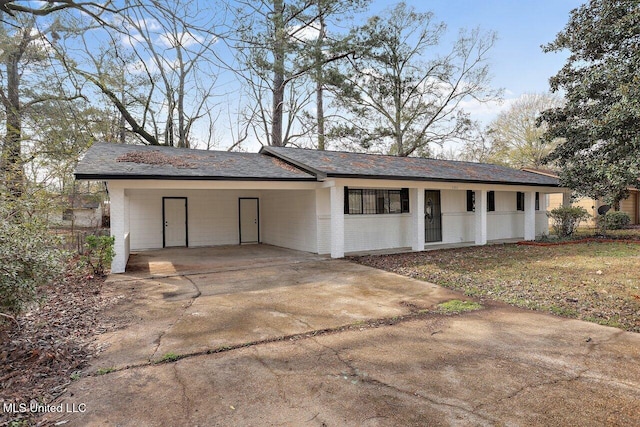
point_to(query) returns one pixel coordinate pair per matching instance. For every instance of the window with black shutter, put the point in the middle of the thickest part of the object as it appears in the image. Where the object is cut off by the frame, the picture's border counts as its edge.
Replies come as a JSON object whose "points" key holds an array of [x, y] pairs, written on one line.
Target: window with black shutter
{"points": [[519, 201], [491, 201], [366, 201]]}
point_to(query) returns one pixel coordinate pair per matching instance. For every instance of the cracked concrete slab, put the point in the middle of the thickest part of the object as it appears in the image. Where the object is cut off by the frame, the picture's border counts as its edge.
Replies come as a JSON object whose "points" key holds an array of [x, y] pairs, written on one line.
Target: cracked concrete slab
{"points": [[197, 312], [496, 366]]}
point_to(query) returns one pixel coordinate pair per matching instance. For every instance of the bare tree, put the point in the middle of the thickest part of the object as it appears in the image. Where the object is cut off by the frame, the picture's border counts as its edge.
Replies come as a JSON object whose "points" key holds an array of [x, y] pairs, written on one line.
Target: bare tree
{"points": [[516, 137], [400, 95], [477, 146], [158, 67]]}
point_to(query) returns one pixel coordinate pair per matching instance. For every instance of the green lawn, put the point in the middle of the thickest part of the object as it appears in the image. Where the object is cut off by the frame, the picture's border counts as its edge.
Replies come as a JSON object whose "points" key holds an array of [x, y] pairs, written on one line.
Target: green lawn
{"points": [[598, 282]]}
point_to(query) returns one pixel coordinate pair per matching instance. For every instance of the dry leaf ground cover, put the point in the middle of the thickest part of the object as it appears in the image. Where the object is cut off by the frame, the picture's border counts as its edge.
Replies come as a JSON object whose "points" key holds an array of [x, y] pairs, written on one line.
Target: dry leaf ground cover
{"points": [[52, 344], [597, 282]]}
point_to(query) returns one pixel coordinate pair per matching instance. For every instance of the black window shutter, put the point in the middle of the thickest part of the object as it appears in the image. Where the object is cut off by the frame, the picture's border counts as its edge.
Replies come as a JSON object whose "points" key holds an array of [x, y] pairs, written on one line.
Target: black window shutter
{"points": [[491, 201], [470, 201], [346, 200], [519, 201], [537, 201], [404, 200]]}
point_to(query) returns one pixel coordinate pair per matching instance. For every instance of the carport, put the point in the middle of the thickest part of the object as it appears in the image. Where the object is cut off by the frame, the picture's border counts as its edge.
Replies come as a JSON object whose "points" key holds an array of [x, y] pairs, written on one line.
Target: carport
{"points": [[181, 261]]}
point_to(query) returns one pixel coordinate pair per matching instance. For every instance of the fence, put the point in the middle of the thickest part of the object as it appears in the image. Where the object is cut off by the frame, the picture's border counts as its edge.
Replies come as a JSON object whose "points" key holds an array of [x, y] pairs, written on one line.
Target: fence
{"points": [[75, 240]]}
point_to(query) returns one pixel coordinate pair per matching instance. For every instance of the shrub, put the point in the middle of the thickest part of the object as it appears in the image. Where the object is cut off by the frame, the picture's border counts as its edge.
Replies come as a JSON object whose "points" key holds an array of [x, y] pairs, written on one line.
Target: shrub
{"points": [[99, 253], [30, 256], [566, 219], [614, 220]]}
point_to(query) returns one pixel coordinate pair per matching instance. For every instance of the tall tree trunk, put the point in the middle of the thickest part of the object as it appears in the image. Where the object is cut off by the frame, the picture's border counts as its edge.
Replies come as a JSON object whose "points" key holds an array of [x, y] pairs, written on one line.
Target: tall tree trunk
{"points": [[320, 80], [11, 153], [182, 136], [280, 40], [397, 101], [122, 122]]}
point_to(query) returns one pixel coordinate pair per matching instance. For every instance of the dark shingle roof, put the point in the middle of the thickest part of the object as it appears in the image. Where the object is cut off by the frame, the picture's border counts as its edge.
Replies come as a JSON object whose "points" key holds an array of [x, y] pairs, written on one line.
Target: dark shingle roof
{"points": [[356, 165], [118, 161]]}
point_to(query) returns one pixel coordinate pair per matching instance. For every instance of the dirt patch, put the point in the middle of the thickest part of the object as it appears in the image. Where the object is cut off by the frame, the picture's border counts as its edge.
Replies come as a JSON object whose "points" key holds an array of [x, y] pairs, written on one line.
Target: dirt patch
{"points": [[597, 282], [45, 351]]}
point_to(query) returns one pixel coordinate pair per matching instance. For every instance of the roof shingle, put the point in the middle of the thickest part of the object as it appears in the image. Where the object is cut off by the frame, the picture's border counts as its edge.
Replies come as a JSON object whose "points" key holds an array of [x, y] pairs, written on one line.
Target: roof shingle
{"points": [[357, 165], [119, 161]]}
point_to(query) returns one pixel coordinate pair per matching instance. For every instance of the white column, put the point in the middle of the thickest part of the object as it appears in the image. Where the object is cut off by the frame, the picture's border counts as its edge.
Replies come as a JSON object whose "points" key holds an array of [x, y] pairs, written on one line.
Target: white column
{"points": [[416, 200], [481, 217], [337, 221], [119, 224], [530, 215]]}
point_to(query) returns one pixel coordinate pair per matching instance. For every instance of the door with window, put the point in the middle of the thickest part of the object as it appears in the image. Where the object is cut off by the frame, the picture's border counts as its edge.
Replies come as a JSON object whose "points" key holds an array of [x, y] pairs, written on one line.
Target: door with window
{"points": [[249, 220], [432, 216], [174, 218]]}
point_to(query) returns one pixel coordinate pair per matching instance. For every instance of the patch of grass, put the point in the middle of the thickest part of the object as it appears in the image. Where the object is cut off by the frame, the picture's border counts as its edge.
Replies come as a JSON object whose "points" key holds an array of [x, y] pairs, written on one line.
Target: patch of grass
{"points": [[456, 306], [169, 357], [563, 311], [596, 281], [104, 371], [75, 376]]}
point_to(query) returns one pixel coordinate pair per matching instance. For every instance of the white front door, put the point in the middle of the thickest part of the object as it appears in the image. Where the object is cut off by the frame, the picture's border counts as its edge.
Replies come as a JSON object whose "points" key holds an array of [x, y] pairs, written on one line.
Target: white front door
{"points": [[174, 212], [249, 221]]}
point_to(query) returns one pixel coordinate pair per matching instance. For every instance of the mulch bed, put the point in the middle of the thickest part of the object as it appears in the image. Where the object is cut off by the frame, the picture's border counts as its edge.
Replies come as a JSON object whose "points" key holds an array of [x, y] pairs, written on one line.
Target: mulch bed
{"points": [[39, 357], [585, 240]]}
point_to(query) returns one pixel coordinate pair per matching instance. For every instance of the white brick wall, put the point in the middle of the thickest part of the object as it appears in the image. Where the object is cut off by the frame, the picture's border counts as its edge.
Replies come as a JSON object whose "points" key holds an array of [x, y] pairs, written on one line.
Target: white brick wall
{"points": [[324, 234], [323, 212], [458, 227], [371, 232], [288, 219], [212, 216]]}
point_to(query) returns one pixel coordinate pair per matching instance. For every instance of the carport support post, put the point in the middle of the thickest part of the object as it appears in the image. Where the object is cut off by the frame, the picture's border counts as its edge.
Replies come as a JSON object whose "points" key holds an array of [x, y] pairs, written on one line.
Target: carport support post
{"points": [[119, 221], [416, 198], [337, 221], [530, 215], [481, 216]]}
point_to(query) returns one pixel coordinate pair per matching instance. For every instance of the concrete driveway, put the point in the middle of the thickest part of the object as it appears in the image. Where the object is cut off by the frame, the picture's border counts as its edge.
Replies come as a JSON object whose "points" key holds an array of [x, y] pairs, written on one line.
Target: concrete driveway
{"points": [[282, 337]]}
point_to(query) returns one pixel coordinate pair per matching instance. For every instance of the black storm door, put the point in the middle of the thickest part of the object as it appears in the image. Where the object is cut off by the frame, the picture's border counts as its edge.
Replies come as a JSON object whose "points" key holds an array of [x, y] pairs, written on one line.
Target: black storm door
{"points": [[432, 216]]}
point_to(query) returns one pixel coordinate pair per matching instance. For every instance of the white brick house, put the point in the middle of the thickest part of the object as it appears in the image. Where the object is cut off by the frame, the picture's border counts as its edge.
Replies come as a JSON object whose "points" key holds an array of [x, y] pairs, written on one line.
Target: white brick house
{"points": [[315, 201]]}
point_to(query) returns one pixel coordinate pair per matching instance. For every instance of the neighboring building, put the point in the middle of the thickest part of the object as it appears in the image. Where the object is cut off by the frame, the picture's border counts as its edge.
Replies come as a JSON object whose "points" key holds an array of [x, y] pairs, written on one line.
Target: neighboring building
{"points": [[80, 210], [630, 205], [322, 202]]}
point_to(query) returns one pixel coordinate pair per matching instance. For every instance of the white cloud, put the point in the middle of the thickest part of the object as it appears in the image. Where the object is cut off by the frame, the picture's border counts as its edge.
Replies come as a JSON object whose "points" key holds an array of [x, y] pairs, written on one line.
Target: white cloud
{"points": [[181, 39], [148, 24], [140, 67], [131, 40], [306, 33], [485, 112], [40, 40]]}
